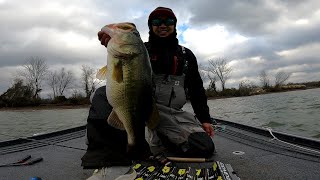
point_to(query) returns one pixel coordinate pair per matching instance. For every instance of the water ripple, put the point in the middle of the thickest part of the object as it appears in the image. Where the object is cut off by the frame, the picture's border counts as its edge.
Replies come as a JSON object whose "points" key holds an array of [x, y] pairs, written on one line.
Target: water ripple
{"points": [[273, 124]]}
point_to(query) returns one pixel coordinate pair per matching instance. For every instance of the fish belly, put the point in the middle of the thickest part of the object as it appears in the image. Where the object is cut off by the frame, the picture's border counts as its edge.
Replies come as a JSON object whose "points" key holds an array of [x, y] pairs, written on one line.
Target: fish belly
{"points": [[132, 97]]}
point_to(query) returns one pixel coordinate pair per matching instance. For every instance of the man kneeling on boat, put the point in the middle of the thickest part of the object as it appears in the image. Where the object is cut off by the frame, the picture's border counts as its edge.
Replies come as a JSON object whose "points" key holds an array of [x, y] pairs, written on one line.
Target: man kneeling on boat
{"points": [[176, 77]]}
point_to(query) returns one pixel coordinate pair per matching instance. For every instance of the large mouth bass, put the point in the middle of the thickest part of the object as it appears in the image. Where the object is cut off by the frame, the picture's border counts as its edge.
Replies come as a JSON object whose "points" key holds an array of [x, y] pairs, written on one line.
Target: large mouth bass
{"points": [[128, 77]]}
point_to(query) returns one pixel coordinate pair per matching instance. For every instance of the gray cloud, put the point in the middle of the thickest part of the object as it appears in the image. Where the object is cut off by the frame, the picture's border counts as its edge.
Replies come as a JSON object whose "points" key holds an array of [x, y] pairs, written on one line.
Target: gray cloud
{"points": [[247, 17], [65, 33]]}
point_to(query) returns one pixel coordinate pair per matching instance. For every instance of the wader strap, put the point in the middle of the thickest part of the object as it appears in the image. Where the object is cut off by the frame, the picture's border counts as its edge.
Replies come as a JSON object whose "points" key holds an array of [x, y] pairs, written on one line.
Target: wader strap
{"points": [[172, 95]]}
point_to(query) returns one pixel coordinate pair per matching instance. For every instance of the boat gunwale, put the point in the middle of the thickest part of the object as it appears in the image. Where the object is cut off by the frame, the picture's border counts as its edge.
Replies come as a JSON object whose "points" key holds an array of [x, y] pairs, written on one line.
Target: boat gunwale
{"points": [[299, 140], [287, 137]]}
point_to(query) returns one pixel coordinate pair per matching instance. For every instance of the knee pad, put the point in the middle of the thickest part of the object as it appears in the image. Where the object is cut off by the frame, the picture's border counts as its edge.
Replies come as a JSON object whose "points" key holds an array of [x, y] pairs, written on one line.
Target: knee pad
{"points": [[200, 145]]}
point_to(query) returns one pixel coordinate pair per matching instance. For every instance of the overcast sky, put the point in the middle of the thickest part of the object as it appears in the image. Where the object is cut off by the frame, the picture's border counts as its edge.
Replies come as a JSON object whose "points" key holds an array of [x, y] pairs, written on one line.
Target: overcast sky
{"points": [[253, 35]]}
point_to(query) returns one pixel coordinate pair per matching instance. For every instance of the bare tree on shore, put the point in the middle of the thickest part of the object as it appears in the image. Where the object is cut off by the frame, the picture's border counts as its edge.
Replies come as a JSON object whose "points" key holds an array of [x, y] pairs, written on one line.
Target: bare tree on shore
{"points": [[246, 84], [89, 80], [52, 81], [213, 79], [264, 79], [221, 69], [34, 72], [212, 84], [205, 74], [281, 77], [59, 81]]}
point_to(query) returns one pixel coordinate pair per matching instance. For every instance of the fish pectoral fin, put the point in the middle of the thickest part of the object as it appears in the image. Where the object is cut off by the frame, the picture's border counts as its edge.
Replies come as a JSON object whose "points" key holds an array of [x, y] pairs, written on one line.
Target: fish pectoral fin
{"points": [[154, 117], [114, 121], [117, 73], [102, 73]]}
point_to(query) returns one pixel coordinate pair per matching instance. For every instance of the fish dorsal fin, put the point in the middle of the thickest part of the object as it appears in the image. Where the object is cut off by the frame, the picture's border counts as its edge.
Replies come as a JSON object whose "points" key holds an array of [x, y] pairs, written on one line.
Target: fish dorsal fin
{"points": [[114, 121], [102, 73], [154, 117]]}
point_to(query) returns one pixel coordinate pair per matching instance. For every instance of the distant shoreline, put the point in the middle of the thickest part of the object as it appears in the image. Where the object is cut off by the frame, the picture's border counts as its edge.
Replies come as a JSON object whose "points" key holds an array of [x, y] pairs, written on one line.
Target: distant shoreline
{"points": [[62, 106], [264, 93]]}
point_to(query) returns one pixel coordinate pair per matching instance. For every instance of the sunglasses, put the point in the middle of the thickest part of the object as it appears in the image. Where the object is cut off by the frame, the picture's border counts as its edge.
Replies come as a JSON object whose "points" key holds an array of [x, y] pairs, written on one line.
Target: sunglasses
{"points": [[167, 22]]}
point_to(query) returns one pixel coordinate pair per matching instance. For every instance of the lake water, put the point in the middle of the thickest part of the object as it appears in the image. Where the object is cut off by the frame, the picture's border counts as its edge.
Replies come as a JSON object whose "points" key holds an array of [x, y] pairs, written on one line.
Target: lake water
{"points": [[295, 112], [26, 123]]}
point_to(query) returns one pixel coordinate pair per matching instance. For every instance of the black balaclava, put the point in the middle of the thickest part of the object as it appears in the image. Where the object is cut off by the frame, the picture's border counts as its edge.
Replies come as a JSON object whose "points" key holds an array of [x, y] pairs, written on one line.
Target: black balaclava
{"points": [[164, 48]]}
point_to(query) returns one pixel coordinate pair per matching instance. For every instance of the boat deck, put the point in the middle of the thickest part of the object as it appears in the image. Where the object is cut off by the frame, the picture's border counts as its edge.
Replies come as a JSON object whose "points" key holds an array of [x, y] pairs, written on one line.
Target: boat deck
{"points": [[263, 158]]}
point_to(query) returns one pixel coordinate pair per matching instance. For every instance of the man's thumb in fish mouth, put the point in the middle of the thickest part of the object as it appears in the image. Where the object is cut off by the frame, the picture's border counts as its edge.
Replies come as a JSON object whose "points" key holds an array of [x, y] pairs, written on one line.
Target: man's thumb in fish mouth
{"points": [[104, 38]]}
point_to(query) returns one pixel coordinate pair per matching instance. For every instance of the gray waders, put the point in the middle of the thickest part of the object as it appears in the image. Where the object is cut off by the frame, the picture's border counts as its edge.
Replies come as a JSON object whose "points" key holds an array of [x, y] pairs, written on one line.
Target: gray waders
{"points": [[178, 131]]}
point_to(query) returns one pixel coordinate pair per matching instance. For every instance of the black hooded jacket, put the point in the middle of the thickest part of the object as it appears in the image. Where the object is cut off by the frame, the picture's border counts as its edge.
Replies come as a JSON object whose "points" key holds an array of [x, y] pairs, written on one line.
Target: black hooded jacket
{"points": [[167, 57]]}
